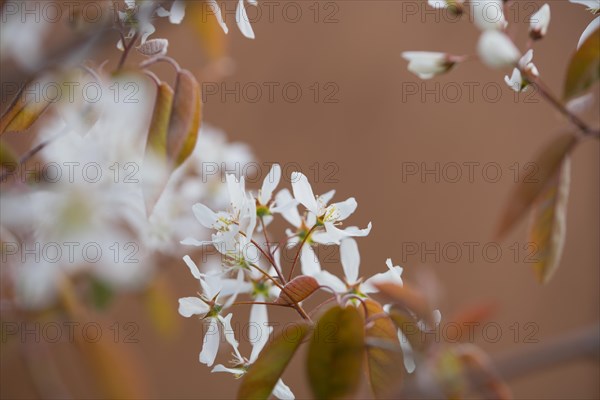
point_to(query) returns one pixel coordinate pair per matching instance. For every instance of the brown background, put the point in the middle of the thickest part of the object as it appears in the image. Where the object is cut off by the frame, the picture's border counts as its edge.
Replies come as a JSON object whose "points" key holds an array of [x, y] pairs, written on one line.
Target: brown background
{"points": [[369, 133]]}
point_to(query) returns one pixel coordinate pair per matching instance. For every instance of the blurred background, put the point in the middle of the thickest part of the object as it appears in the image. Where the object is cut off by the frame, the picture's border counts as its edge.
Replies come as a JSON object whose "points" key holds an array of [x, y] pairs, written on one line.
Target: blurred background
{"points": [[344, 110]]}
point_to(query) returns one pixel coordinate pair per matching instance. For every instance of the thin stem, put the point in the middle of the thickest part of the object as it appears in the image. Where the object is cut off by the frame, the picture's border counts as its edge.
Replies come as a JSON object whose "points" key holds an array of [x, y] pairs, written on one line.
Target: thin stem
{"points": [[549, 97], [268, 257], [264, 229], [297, 306], [239, 303], [299, 250], [127, 49]]}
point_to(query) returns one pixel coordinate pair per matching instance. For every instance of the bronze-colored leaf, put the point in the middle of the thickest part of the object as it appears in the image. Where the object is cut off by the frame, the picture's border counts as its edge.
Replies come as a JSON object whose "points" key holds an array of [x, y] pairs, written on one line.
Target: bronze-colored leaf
{"points": [[157, 134], [23, 112], [335, 353], [408, 299], [548, 224], [185, 118], [410, 328], [468, 319], [384, 364], [262, 376], [584, 68], [527, 191], [298, 289]]}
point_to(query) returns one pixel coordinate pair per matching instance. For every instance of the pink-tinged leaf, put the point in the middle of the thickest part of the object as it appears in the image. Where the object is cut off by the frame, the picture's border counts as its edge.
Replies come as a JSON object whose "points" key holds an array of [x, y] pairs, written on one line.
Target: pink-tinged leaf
{"points": [[384, 364], [584, 68], [262, 376], [336, 353], [408, 299], [548, 224], [185, 118], [410, 328], [298, 289], [527, 191]]}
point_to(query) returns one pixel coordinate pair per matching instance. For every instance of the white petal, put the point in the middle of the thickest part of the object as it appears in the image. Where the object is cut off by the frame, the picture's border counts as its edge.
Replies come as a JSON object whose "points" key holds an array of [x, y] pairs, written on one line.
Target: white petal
{"points": [[222, 368], [214, 7], [243, 21], [189, 306], [211, 343], [207, 217], [269, 184], [310, 263], [325, 278], [515, 81], [195, 242], [591, 28], [192, 266], [228, 331], [343, 209], [282, 391], [350, 258], [259, 330], [177, 12], [303, 192]]}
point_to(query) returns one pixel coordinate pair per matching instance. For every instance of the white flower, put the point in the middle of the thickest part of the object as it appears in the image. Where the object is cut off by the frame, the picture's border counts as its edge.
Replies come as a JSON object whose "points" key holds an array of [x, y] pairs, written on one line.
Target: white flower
{"points": [[538, 24], [213, 287], [350, 258], [591, 28], [326, 215], [497, 50], [426, 64], [488, 14], [517, 81], [592, 5]]}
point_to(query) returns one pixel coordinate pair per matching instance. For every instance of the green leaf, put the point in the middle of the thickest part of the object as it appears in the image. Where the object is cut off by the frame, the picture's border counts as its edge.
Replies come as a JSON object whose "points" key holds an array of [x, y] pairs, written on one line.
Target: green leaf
{"points": [[584, 68], [100, 294], [548, 226], [385, 365], [527, 191], [262, 376], [335, 353], [298, 289]]}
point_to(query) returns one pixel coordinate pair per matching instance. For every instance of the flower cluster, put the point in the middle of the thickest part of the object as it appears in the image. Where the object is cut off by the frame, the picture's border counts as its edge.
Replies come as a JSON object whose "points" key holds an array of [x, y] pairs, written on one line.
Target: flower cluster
{"points": [[78, 209], [255, 270], [495, 48]]}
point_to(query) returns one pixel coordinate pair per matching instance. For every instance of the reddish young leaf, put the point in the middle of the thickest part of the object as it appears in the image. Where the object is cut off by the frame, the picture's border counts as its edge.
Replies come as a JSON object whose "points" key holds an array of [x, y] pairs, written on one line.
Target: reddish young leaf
{"points": [[298, 289], [527, 191], [548, 223], [408, 299], [262, 376], [185, 118]]}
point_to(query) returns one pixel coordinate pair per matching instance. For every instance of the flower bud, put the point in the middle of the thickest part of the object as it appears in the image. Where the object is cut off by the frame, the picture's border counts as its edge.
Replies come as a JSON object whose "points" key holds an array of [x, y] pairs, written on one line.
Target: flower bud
{"points": [[538, 24], [427, 64], [496, 50]]}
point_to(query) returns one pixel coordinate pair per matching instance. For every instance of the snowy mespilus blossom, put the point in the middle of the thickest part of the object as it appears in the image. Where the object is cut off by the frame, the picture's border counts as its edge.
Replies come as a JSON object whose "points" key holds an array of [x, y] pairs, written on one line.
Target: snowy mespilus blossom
{"points": [[427, 64], [539, 22], [496, 50], [517, 81]]}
